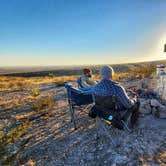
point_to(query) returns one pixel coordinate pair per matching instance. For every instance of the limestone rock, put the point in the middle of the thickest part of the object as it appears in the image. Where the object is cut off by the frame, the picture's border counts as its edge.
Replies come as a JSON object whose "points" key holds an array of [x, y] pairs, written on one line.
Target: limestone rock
{"points": [[161, 114], [145, 107], [145, 110], [154, 111], [121, 160], [155, 103], [144, 102], [162, 107]]}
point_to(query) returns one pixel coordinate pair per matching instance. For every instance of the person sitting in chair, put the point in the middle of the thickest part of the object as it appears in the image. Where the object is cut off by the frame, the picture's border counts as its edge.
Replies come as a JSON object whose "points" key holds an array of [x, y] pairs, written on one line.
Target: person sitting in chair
{"points": [[86, 80], [108, 87]]}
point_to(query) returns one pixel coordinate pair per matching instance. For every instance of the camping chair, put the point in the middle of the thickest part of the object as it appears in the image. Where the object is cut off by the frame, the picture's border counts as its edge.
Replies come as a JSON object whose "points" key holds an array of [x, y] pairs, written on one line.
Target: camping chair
{"points": [[79, 83], [107, 105], [77, 97]]}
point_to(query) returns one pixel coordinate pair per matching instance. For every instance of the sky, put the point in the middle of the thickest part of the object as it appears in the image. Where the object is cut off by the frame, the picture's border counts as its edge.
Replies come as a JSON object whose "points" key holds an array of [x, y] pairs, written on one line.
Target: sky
{"points": [[78, 32]]}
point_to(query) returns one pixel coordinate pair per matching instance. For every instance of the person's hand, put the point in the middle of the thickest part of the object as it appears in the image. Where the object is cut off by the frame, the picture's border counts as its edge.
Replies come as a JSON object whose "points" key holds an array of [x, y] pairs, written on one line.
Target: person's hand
{"points": [[133, 94], [135, 99]]}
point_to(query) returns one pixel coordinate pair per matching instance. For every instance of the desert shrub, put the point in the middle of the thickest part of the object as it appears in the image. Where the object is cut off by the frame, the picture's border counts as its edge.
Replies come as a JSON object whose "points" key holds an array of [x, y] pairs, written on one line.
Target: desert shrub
{"points": [[2, 148], [42, 103], [35, 92], [10, 85], [30, 162], [26, 86], [1, 133], [19, 84], [14, 83], [138, 73], [22, 85], [15, 134], [11, 137], [51, 75], [144, 71], [2, 86], [59, 84]]}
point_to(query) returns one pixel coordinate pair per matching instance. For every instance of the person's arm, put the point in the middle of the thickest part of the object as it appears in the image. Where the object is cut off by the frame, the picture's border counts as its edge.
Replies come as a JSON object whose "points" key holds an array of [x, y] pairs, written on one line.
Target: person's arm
{"points": [[84, 82], [91, 82], [124, 98]]}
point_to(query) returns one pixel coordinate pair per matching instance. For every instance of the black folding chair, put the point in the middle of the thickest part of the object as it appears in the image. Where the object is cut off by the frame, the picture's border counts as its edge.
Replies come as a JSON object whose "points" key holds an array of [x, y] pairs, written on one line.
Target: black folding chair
{"points": [[76, 97], [108, 106]]}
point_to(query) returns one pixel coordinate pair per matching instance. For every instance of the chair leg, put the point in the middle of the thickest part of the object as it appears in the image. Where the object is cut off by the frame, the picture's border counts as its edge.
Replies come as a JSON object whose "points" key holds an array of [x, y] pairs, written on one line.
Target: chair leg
{"points": [[71, 112], [127, 123], [72, 116], [128, 119], [74, 122], [126, 126], [99, 122], [108, 134], [97, 127]]}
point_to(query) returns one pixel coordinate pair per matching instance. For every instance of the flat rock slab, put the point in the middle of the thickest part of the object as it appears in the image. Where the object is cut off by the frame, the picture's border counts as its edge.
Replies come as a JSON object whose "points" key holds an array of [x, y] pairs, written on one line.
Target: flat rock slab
{"points": [[161, 114]]}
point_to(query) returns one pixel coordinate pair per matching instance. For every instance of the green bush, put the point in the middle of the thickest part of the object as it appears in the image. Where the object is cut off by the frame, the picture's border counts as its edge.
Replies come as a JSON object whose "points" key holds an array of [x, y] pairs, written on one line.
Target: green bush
{"points": [[43, 103], [59, 83], [35, 92]]}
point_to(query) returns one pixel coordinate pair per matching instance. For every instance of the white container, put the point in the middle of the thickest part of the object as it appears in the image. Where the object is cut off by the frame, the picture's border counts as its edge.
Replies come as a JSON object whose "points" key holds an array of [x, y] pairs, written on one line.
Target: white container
{"points": [[160, 70], [161, 86]]}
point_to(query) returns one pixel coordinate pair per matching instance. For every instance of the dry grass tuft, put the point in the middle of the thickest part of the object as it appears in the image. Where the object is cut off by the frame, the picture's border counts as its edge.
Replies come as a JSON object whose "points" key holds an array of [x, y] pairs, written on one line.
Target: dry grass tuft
{"points": [[15, 134], [30, 163], [60, 84], [21, 83], [43, 103], [35, 92], [12, 137]]}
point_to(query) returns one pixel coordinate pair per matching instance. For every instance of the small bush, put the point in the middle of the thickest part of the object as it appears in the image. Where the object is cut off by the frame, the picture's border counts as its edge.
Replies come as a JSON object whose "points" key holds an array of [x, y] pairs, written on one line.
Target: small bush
{"points": [[15, 134], [59, 84], [35, 92], [2, 148], [11, 85], [22, 85], [43, 103], [12, 137], [51, 75]]}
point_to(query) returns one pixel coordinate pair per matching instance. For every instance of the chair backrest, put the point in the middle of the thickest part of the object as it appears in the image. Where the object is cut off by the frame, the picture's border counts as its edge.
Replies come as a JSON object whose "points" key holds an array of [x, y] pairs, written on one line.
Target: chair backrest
{"points": [[79, 83], [77, 97], [108, 102], [109, 105]]}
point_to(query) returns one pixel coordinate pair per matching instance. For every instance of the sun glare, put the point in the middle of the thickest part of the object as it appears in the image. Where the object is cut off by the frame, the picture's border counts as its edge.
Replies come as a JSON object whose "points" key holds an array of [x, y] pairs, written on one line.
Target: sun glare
{"points": [[161, 44]]}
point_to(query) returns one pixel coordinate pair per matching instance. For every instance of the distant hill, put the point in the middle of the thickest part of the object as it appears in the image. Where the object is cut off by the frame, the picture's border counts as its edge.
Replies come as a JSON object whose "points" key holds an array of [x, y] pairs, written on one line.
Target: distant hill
{"points": [[70, 70]]}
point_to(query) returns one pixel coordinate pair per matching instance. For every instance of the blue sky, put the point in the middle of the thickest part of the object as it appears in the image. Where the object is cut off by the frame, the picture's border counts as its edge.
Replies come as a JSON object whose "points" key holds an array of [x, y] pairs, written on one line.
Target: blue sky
{"points": [[73, 32]]}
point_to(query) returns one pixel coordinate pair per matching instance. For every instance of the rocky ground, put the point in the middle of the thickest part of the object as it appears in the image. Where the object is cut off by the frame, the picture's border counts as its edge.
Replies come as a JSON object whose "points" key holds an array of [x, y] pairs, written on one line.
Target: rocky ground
{"points": [[47, 137]]}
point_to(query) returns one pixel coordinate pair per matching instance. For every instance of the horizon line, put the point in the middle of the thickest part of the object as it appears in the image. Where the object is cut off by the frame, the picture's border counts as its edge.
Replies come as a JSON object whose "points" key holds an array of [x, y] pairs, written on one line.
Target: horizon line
{"points": [[75, 65]]}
